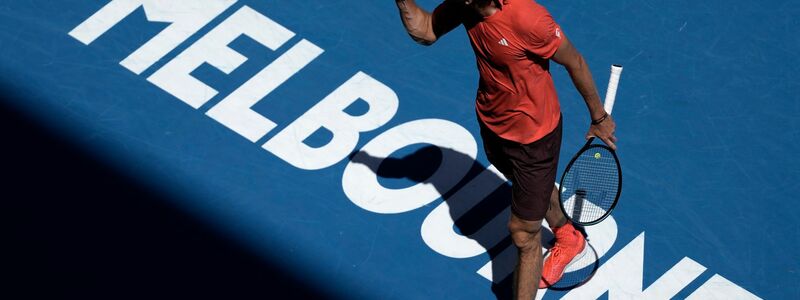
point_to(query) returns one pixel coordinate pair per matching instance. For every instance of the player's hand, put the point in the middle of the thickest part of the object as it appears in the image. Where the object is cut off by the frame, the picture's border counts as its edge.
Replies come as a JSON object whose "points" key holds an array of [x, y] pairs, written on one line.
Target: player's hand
{"points": [[605, 132]]}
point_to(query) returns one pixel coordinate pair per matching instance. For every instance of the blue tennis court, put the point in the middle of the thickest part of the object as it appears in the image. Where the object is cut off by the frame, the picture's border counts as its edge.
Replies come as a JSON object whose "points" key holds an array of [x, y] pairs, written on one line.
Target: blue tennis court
{"points": [[246, 149]]}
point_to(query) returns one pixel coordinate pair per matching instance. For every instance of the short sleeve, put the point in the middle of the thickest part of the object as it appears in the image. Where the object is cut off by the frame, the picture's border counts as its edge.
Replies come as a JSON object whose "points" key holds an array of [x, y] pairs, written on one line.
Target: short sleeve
{"points": [[446, 16], [542, 36]]}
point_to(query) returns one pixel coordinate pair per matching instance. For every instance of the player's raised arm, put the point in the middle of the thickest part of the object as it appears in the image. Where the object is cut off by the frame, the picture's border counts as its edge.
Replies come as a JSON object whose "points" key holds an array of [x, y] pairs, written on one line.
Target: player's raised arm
{"points": [[603, 125], [424, 27]]}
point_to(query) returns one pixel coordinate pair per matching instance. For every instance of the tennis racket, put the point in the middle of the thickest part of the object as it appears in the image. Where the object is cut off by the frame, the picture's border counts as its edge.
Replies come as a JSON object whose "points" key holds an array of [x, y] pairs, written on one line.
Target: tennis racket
{"points": [[592, 182]]}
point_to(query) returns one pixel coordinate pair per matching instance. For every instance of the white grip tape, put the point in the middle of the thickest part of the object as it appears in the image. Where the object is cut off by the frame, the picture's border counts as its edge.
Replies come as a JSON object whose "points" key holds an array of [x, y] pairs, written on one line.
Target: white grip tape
{"points": [[611, 92]]}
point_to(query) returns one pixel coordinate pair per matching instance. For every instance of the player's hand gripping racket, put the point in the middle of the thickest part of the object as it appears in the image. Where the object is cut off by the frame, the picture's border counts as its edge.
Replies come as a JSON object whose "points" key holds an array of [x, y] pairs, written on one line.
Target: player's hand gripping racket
{"points": [[591, 184]]}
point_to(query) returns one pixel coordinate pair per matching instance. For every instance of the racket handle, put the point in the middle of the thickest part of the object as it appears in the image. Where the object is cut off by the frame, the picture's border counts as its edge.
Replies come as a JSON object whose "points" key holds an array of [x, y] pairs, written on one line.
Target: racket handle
{"points": [[611, 92]]}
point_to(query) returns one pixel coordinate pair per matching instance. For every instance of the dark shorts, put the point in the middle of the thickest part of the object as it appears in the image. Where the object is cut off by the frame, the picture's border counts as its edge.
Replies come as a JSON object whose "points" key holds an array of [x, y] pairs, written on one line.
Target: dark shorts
{"points": [[531, 168]]}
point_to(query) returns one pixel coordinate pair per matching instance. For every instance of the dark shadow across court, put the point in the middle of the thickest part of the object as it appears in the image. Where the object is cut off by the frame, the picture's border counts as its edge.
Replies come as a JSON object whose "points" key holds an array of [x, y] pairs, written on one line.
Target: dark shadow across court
{"points": [[75, 228]]}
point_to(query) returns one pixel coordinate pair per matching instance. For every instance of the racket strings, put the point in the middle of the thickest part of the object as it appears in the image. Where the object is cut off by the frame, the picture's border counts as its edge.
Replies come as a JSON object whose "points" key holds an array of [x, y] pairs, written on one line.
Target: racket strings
{"points": [[590, 186]]}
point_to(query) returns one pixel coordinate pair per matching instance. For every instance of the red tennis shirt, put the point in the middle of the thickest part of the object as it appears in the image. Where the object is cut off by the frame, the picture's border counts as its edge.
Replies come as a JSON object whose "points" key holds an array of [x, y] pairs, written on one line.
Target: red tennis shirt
{"points": [[516, 96]]}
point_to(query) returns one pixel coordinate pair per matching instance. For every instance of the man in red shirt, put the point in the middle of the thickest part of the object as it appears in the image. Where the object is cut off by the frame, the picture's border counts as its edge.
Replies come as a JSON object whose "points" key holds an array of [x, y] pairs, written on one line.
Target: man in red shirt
{"points": [[520, 116]]}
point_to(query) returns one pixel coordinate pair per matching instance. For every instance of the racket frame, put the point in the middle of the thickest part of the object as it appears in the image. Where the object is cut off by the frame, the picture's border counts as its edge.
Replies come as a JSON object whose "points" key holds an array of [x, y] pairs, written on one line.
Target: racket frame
{"points": [[586, 148]]}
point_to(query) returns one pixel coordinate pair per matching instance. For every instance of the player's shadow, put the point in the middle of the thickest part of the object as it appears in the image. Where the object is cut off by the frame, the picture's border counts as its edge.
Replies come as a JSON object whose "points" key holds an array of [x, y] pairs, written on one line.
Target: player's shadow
{"points": [[424, 162]]}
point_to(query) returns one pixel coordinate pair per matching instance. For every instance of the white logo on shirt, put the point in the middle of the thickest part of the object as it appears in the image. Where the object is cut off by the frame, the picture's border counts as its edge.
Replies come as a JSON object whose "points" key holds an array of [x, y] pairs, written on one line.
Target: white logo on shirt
{"points": [[504, 42], [558, 32]]}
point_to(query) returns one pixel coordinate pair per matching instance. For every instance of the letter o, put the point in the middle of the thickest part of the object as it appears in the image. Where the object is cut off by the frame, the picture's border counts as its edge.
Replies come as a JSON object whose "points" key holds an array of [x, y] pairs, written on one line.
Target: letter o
{"points": [[360, 182]]}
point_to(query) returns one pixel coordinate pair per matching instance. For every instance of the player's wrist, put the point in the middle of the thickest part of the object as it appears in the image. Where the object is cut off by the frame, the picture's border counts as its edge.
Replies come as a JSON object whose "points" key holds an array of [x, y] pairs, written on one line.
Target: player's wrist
{"points": [[597, 121], [596, 109]]}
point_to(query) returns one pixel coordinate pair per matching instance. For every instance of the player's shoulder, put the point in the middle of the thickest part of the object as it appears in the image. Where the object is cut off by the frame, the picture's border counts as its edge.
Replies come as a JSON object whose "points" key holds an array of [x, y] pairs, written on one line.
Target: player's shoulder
{"points": [[532, 18], [527, 10]]}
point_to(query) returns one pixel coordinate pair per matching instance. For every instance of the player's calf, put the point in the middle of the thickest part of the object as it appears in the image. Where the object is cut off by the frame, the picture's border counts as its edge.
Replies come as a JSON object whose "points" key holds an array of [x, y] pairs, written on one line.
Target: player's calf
{"points": [[526, 235]]}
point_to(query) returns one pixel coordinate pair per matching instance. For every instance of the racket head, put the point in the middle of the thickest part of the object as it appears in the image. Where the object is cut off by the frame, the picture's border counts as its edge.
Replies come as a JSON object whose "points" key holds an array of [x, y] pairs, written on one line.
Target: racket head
{"points": [[590, 185]]}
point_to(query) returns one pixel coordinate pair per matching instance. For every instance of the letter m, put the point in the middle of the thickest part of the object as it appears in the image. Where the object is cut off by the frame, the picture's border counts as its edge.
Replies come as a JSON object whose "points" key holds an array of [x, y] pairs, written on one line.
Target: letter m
{"points": [[186, 17]]}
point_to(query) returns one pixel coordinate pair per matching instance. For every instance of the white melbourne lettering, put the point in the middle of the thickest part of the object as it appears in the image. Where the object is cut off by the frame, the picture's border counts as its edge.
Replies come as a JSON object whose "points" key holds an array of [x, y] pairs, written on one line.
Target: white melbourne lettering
{"points": [[213, 49], [329, 113], [620, 276], [361, 184], [235, 110], [717, 287], [186, 18]]}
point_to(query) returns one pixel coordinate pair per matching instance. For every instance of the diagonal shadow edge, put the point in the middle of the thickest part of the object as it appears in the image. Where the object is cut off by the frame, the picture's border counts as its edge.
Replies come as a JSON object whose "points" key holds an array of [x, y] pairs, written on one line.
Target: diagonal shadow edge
{"points": [[76, 226]]}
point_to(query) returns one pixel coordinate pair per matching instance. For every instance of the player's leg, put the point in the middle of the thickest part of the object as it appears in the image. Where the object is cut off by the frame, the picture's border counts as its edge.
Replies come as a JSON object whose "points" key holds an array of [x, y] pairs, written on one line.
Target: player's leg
{"points": [[531, 192], [527, 237], [569, 241], [555, 216], [526, 230]]}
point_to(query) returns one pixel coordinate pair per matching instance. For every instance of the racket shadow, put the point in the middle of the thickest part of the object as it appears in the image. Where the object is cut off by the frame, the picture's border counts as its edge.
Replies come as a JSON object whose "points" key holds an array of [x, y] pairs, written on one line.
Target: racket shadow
{"points": [[477, 223]]}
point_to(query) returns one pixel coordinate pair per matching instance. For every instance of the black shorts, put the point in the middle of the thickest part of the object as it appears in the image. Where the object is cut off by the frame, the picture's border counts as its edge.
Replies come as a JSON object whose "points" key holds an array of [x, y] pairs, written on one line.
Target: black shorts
{"points": [[531, 168]]}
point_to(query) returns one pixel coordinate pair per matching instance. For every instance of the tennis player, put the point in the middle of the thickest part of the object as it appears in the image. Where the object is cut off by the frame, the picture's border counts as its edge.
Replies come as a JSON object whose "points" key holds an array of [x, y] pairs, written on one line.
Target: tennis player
{"points": [[520, 116]]}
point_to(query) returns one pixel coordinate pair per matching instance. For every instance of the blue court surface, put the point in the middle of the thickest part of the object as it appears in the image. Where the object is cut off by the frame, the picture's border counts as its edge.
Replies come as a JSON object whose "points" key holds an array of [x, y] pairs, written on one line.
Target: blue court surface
{"points": [[332, 157]]}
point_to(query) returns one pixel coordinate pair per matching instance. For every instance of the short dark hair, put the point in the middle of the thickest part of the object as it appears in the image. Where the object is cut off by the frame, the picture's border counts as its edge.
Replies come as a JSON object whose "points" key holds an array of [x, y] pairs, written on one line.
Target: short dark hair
{"points": [[499, 3]]}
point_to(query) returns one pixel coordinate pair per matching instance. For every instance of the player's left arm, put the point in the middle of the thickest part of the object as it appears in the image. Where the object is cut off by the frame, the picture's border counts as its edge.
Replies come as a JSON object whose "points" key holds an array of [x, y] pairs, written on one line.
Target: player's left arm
{"points": [[569, 57], [427, 27]]}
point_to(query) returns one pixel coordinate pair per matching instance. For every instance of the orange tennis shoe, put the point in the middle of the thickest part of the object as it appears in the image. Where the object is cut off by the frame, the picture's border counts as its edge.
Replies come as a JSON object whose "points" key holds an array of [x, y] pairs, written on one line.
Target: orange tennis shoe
{"points": [[569, 243]]}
